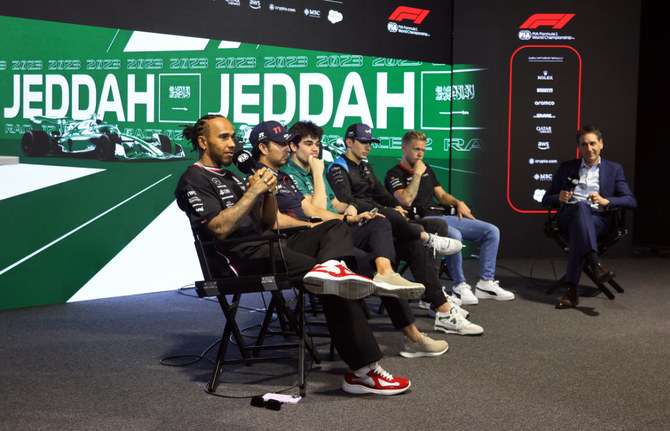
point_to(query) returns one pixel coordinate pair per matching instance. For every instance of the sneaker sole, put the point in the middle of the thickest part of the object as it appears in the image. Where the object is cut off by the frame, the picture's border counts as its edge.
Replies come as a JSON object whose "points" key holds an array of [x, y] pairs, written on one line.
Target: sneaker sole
{"points": [[453, 331], [400, 292], [451, 251], [344, 288], [485, 295], [362, 389], [421, 354]]}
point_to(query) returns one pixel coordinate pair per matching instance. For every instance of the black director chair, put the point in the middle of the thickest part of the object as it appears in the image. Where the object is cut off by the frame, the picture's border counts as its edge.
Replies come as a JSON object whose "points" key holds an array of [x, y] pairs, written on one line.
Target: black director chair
{"points": [[220, 280], [618, 231]]}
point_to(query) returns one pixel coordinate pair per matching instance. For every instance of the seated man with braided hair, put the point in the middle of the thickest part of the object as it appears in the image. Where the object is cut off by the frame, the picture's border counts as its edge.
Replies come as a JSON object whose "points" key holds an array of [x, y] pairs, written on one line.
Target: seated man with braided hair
{"points": [[220, 204]]}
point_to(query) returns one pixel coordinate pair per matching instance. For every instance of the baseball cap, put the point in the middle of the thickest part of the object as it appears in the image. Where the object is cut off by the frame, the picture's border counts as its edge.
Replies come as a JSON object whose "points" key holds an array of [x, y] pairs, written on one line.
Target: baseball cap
{"points": [[361, 132], [271, 131]]}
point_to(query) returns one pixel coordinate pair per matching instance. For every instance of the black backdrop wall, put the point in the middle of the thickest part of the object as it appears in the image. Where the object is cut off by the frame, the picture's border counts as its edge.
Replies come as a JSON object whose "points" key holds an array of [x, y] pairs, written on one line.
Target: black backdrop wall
{"points": [[595, 45]]}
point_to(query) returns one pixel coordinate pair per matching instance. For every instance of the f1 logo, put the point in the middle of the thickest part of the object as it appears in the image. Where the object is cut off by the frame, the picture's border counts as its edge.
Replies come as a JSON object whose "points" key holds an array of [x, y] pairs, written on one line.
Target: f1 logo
{"points": [[404, 12], [555, 20]]}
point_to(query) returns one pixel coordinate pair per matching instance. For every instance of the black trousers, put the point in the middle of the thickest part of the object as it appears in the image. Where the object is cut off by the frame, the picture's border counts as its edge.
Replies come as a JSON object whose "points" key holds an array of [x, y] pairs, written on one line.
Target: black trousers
{"points": [[402, 229], [422, 262], [437, 226], [347, 323], [372, 240]]}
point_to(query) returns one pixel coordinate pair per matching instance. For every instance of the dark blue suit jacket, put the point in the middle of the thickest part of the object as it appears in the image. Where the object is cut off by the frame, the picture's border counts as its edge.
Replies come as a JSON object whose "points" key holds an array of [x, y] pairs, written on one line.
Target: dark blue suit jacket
{"points": [[613, 184]]}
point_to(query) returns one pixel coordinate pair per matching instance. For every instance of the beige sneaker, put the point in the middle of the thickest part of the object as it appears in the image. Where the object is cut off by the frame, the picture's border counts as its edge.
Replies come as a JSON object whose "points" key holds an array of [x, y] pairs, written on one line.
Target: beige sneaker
{"points": [[426, 347], [395, 285]]}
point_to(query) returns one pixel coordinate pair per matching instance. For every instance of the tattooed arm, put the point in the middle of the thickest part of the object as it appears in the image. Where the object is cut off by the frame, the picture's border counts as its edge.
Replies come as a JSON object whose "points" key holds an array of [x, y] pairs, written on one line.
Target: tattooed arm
{"points": [[228, 220]]}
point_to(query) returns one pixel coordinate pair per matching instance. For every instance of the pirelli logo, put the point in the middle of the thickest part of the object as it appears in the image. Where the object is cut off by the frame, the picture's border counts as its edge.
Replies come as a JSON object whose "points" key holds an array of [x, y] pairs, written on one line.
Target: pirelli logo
{"points": [[413, 14], [553, 20]]}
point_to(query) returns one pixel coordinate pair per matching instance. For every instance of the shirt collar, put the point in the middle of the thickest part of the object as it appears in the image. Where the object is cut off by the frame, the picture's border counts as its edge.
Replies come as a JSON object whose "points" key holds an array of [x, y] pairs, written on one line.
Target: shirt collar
{"points": [[219, 171], [261, 165], [296, 167], [583, 165]]}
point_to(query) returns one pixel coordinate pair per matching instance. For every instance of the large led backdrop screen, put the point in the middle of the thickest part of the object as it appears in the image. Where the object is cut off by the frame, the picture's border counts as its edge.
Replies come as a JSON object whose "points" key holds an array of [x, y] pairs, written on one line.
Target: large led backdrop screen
{"points": [[498, 89]]}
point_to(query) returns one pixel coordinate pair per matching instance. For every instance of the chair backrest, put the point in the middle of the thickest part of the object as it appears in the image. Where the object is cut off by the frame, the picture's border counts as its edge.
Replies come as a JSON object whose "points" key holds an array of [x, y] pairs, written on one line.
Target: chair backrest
{"points": [[221, 279], [212, 264]]}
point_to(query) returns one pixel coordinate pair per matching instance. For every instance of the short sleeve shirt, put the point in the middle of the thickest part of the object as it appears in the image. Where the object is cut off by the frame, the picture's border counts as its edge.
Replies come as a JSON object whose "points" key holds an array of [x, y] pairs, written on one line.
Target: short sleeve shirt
{"points": [[203, 192], [398, 178]]}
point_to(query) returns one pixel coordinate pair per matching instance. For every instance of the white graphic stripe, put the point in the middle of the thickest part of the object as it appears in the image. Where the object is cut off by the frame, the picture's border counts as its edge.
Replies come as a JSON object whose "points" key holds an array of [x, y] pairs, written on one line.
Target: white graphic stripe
{"points": [[40, 250], [142, 41]]}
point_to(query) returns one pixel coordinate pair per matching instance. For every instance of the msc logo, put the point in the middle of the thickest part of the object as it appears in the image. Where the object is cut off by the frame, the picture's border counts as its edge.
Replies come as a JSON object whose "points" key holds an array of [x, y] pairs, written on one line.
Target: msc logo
{"points": [[555, 20], [404, 12]]}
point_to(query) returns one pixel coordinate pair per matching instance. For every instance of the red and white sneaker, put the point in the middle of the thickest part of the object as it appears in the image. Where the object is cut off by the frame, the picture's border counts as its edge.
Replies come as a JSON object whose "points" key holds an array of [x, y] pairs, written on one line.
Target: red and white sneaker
{"points": [[334, 278], [376, 381]]}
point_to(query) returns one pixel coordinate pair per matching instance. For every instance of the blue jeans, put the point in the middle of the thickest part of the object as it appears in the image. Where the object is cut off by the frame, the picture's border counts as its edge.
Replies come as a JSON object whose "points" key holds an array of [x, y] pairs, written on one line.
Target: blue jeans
{"points": [[478, 231]]}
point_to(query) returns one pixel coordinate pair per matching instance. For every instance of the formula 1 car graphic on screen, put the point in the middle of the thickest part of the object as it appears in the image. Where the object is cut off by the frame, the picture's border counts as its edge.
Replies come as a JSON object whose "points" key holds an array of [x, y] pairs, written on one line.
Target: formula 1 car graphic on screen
{"points": [[92, 136]]}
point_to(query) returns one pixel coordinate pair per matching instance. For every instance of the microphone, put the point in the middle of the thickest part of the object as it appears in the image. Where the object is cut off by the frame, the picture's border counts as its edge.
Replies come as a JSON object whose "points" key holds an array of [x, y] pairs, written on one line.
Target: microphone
{"points": [[244, 162], [247, 165], [571, 182]]}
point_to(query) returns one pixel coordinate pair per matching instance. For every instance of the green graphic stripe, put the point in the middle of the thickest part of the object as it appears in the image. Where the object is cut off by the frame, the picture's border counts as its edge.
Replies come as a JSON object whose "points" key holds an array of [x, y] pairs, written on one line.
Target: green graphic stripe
{"points": [[80, 227]]}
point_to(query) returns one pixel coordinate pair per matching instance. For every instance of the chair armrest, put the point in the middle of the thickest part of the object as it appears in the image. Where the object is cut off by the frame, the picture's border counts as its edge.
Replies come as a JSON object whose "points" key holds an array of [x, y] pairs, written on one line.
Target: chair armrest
{"points": [[290, 230], [232, 241]]}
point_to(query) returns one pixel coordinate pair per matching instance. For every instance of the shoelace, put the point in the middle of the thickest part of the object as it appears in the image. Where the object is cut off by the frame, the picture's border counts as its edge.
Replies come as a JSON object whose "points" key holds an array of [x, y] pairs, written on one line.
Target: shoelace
{"points": [[430, 244], [383, 373]]}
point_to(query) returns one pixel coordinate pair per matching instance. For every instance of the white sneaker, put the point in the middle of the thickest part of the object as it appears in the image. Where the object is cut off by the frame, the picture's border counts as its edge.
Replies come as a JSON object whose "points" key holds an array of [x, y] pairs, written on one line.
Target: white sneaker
{"points": [[453, 323], [464, 291], [443, 245], [490, 289], [394, 285], [426, 347], [334, 278], [453, 300]]}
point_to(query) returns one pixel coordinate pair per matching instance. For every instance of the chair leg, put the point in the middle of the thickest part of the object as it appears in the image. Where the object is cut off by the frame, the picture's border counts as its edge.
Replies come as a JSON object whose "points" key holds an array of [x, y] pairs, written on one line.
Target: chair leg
{"points": [[616, 286], [301, 343], [444, 269], [231, 328], [293, 322], [601, 286]]}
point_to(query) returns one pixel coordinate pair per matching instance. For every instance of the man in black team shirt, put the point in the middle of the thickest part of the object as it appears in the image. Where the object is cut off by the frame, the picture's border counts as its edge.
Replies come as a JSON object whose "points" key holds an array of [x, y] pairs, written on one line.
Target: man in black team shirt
{"points": [[220, 204], [414, 184], [354, 183]]}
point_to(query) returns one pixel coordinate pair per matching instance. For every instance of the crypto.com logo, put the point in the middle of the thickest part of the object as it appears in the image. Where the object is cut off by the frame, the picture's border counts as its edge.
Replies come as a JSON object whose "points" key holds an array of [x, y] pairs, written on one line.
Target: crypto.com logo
{"points": [[404, 12], [555, 20]]}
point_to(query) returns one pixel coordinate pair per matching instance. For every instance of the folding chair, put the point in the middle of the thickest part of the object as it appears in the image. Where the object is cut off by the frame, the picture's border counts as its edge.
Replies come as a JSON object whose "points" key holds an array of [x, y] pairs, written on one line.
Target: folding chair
{"points": [[618, 231], [220, 281]]}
